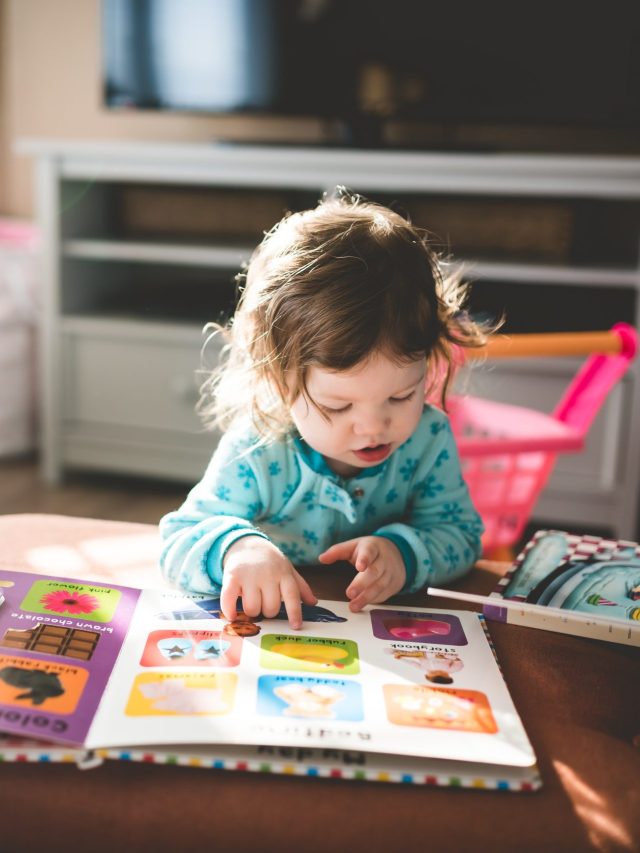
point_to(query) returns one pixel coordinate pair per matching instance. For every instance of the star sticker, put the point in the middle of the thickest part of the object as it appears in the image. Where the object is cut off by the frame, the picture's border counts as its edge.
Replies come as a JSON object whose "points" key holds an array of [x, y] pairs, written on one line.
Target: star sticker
{"points": [[176, 651]]}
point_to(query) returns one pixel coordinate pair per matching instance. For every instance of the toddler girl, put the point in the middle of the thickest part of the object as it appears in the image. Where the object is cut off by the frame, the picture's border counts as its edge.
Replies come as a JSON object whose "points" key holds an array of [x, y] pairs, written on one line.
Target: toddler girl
{"points": [[330, 452]]}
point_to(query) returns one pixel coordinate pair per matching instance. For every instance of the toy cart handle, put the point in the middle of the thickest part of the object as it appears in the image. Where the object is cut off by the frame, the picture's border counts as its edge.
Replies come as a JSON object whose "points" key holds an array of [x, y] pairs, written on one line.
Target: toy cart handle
{"points": [[610, 354], [590, 386], [621, 339]]}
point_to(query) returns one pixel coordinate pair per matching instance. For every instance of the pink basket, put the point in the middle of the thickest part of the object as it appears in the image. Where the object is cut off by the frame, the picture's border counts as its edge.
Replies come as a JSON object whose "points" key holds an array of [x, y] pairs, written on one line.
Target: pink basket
{"points": [[508, 452]]}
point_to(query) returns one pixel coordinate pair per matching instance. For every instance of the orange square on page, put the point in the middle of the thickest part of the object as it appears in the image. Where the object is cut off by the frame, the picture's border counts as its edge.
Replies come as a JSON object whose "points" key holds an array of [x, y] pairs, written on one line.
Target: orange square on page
{"points": [[439, 708], [40, 685]]}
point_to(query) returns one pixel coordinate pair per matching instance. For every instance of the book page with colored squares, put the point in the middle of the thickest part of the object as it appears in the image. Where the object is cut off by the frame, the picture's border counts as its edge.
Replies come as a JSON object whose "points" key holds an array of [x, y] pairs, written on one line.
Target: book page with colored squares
{"points": [[59, 640], [406, 681]]}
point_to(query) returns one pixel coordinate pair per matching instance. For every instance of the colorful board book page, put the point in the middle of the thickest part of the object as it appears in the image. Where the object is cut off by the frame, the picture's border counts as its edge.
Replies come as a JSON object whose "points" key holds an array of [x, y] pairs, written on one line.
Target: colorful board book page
{"points": [[111, 668], [582, 585]]}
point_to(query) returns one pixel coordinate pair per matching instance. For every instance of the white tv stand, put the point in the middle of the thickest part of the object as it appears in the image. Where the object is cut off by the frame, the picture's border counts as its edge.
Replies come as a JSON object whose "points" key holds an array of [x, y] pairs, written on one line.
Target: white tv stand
{"points": [[118, 382]]}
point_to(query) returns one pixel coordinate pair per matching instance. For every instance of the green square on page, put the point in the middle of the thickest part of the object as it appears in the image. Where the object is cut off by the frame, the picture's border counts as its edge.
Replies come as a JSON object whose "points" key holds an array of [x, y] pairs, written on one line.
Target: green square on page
{"points": [[71, 600]]}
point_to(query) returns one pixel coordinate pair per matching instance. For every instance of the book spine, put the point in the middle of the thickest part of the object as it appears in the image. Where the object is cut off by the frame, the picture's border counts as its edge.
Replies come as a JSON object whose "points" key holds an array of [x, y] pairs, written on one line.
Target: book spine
{"points": [[595, 628], [527, 779], [495, 612], [48, 754]]}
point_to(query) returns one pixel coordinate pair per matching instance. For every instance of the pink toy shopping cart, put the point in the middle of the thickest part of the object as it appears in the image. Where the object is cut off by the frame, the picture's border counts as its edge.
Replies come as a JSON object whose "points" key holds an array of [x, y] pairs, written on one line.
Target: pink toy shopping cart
{"points": [[508, 452]]}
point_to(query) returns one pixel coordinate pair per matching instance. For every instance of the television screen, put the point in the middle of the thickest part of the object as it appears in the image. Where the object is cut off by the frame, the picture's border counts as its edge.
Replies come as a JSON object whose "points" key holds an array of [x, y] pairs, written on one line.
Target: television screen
{"points": [[413, 60]]}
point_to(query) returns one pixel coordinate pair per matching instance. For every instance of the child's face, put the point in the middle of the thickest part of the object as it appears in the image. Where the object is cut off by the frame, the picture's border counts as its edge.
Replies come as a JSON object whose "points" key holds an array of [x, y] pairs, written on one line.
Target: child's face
{"points": [[372, 409]]}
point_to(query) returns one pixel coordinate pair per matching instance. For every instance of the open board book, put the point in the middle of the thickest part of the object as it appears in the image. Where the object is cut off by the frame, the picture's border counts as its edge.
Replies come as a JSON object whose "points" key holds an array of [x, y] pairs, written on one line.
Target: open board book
{"points": [[91, 672], [582, 585]]}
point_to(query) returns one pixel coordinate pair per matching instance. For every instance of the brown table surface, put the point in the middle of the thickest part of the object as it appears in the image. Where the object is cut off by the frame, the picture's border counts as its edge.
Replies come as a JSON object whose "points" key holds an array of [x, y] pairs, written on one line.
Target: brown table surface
{"points": [[578, 700]]}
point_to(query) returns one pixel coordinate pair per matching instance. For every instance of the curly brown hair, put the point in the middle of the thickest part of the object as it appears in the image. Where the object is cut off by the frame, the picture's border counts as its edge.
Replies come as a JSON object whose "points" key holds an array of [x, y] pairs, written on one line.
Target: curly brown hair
{"points": [[327, 287]]}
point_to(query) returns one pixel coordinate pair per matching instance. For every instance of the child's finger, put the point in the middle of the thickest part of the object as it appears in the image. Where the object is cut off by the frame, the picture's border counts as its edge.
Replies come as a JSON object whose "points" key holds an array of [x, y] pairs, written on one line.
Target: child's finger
{"points": [[229, 599], [291, 597], [366, 553], [306, 593], [252, 601], [271, 600], [363, 580], [339, 551], [369, 595]]}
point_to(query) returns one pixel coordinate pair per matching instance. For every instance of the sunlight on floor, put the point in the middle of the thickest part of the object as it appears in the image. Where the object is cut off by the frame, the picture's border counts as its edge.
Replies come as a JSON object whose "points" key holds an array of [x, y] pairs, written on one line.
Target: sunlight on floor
{"points": [[595, 812]]}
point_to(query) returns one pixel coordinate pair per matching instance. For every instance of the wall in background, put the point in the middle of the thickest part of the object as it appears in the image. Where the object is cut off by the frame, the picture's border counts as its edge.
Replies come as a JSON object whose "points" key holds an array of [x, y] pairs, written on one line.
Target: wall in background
{"points": [[50, 88], [3, 109], [50, 58]]}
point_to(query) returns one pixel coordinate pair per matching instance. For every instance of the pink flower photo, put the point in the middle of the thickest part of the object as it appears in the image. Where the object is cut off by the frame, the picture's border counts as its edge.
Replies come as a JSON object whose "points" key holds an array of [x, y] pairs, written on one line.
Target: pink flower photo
{"points": [[68, 601]]}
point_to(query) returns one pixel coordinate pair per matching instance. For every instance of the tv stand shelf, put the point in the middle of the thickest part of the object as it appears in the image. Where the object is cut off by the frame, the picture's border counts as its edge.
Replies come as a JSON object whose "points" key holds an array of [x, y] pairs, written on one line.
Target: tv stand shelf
{"points": [[141, 243], [217, 257]]}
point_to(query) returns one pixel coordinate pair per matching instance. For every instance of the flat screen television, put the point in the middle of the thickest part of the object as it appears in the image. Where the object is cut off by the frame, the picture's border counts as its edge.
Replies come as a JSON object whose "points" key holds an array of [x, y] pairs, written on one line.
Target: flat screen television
{"points": [[367, 63]]}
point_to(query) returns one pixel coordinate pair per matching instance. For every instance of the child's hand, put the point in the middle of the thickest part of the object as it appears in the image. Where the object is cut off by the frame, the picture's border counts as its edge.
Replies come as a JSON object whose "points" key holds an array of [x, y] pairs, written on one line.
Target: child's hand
{"points": [[380, 566], [260, 573]]}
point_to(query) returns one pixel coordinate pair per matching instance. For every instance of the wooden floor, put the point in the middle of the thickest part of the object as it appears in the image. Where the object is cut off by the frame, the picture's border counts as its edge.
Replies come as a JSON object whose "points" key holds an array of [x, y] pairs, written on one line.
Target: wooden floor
{"points": [[92, 496]]}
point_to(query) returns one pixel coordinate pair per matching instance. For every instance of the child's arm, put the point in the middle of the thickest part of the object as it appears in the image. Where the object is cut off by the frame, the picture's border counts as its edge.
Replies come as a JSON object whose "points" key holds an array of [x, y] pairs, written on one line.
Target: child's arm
{"points": [[222, 508], [212, 544]]}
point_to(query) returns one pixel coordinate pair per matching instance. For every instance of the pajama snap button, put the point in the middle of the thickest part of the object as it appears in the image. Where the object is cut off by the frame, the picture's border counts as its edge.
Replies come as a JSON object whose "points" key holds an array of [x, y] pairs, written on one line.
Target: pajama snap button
{"points": [[358, 493]]}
